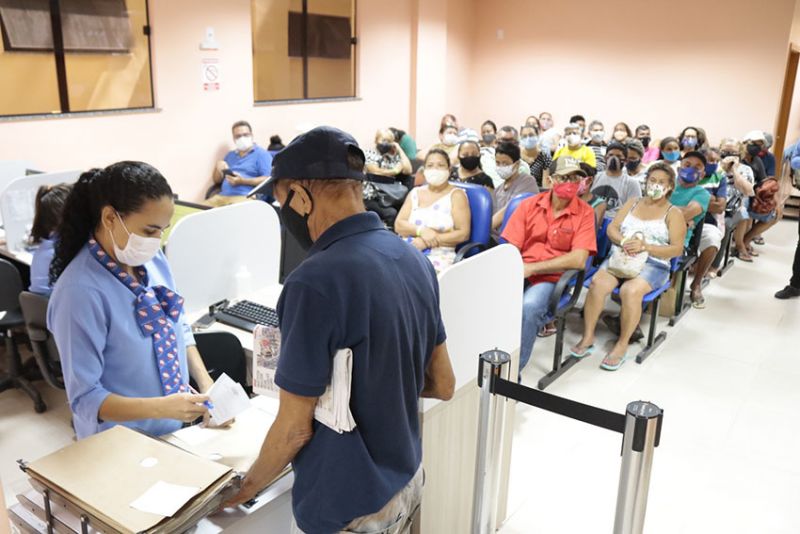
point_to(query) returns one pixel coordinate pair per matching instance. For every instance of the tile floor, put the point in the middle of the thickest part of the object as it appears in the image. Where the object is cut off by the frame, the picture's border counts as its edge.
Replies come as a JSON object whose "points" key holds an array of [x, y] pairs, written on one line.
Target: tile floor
{"points": [[728, 378]]}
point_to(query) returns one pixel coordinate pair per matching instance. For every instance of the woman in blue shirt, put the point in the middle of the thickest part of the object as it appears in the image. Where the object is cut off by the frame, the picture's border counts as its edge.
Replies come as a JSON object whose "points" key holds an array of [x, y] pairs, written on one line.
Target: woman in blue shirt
{"points": [[126, 350], [49, 205]]}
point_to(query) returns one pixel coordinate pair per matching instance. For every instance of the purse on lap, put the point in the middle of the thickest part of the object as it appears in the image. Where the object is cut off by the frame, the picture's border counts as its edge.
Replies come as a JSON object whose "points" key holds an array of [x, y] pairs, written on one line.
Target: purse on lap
{"points": [[624, 265]]}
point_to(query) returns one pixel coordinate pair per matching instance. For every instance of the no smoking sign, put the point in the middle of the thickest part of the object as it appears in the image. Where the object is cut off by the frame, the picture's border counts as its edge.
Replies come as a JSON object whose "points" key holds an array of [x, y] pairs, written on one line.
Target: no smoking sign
{"points": [[210, 74]]}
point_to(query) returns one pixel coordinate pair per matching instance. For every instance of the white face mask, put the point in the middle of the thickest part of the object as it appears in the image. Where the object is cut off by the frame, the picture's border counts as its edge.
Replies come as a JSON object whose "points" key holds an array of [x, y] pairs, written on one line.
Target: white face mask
{"points": [[655, 191], [573, 139], [244, 142], [450, 139], [505, 171], [436, 177], [598, 136], [139, 249]]}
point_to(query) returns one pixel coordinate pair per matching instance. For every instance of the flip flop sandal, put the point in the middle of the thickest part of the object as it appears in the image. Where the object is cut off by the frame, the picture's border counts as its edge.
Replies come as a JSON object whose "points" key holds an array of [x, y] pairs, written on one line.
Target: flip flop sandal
{"points": [[586, 352], [758, 240], [753, 253], [612, 366], [546, 332], [699, 304], [748, 258]]}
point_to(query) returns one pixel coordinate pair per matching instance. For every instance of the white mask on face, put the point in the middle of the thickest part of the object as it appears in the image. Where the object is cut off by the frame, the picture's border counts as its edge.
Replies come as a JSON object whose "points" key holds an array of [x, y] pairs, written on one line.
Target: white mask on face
{"points": [[450, 139], [139, 249], [244, 142], [656, 191], [598, 136], [573, 139], [436, 177], [505, 171]]}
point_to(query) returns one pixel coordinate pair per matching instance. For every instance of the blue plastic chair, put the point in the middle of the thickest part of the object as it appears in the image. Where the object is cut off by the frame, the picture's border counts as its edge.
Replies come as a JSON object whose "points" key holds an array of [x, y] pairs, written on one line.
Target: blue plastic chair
{"points": [[654, 298], [562, 301], [480, 207], [512, 206]]}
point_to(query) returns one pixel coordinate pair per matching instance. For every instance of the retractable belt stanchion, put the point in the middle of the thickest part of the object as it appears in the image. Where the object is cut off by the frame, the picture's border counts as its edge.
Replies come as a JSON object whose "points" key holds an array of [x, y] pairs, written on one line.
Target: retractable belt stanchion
{"points": [[492, 365], [640, 427]]}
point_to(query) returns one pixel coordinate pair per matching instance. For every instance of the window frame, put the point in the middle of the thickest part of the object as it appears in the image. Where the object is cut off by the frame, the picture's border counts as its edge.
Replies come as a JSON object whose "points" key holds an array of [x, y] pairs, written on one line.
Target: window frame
{"points": [[354, 42], [59, 56]]}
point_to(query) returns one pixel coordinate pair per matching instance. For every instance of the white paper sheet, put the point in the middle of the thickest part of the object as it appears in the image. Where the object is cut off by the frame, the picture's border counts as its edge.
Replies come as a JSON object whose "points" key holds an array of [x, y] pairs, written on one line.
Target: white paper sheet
{"points": [[194, 435], [164, 498], [228, 399]]}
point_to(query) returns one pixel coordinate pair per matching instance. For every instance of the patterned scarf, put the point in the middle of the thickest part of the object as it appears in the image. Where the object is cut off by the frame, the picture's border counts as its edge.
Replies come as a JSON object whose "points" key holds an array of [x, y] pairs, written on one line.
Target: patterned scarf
{"points": [[157, 310]]}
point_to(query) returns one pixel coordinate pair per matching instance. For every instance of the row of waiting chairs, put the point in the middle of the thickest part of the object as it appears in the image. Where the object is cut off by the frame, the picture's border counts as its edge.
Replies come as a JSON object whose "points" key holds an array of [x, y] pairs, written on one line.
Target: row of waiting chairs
{"points": [[568, 289]]}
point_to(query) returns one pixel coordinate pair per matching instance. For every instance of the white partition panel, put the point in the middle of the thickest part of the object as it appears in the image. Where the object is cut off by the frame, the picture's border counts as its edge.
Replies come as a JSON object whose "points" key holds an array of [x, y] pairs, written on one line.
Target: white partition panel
{"points": [[225, 253], [18, 201], [481, 303], [11, 169]]}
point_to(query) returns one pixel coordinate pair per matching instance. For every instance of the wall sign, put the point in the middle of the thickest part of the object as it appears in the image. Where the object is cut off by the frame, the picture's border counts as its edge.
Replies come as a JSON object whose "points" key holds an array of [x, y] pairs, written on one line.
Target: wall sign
{"points": [[210, 74]]}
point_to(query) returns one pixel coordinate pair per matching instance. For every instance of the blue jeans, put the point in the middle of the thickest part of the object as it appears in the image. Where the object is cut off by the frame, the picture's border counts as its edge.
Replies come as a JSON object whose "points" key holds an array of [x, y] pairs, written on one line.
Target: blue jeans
{"points": [[534, 310]]}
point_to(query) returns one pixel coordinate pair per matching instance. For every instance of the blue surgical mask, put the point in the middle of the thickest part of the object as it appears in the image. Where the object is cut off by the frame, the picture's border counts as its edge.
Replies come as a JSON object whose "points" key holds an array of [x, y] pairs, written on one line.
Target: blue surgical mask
{"points": [[689, 142], [671, 156], [688, 175], [711, 168], [529, 142]]}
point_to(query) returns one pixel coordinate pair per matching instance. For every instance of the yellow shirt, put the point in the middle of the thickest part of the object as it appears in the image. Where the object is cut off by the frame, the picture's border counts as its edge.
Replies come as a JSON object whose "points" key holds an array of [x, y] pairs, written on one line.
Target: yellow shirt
{"points": [[582, 153]]}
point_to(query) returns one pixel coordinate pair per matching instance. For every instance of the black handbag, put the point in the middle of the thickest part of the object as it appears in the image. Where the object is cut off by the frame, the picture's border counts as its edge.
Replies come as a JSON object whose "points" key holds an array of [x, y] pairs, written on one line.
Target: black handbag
{"points": [[390, 195]]}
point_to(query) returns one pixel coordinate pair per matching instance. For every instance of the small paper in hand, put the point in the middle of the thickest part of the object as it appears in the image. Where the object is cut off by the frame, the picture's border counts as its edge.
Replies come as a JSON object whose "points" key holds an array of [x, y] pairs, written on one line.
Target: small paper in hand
{"points": [[228, 399], [164, 499]]}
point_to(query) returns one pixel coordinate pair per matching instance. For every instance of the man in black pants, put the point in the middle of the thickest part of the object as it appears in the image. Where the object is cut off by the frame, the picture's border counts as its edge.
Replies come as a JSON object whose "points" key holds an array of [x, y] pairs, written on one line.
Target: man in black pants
{"points": [[793, 289]]}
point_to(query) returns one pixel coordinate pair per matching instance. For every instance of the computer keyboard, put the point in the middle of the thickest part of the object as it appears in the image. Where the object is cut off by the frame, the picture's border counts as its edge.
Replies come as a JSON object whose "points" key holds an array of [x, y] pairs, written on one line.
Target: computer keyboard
{"points": [[246, 315]]}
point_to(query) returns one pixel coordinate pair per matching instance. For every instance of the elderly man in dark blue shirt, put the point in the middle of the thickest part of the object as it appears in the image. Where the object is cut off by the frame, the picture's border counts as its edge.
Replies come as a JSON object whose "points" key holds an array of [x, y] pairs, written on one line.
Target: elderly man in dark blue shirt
{"points": [[243, 168], [361, 288]]}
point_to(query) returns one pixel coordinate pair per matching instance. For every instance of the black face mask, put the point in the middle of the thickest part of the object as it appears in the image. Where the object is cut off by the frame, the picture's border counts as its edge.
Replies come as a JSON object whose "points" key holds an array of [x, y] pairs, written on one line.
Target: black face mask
{"points": [[384, 148], [753, 150], [296, 224], [645, 141], [470, 162], [613, 163], [489, 138], [633, 165]]}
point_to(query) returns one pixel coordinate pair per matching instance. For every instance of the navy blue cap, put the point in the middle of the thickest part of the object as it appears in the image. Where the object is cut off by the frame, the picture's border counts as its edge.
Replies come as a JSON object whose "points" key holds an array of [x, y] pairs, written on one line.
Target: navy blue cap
{"points": [[696, 154], [318, 154]]}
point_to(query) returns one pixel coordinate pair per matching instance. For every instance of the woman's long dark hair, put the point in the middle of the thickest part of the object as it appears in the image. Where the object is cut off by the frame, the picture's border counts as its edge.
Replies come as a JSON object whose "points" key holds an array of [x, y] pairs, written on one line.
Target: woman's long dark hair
{"points": [[50, 200], [125, 186]]}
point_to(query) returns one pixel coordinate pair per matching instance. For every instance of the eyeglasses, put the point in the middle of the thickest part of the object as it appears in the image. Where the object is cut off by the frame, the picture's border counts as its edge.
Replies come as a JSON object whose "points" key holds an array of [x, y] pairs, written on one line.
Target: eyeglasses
{"points": [[569, 178]]}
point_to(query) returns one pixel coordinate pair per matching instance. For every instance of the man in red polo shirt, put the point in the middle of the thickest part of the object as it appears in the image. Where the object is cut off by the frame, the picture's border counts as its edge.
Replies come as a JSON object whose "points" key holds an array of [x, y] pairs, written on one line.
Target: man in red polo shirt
{"points": [[554, 232]]}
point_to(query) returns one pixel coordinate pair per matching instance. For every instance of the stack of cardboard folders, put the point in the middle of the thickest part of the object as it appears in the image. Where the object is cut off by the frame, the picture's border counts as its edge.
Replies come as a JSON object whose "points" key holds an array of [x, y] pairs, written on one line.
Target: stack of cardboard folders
{"points": [[123, 481]]}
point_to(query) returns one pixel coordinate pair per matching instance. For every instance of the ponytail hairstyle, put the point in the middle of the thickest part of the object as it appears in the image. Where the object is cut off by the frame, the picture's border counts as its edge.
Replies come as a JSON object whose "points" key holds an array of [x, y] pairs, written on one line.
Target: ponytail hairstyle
{"points": [[50, 200], [125, 186]]}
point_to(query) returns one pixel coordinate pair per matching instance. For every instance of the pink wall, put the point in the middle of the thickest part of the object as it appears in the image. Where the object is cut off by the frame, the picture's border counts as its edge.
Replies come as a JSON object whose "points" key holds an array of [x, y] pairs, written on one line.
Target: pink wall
{"points": [[192, 129], [718, 65]]}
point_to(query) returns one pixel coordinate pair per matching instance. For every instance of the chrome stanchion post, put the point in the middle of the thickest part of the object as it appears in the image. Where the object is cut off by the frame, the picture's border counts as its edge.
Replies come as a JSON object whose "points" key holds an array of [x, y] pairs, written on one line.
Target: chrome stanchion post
{"points": [[642, 432], [491, 419]]}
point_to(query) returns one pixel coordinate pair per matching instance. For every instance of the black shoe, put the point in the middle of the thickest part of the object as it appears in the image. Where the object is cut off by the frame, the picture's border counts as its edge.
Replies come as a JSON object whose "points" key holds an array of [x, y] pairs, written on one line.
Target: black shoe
{"points": [[788, 292], [613, 324]]}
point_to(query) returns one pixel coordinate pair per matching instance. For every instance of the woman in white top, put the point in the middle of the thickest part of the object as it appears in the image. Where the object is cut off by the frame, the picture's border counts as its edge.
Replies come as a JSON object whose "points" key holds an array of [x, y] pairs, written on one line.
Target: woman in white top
{"points": [[435, 217], [664, 231]]}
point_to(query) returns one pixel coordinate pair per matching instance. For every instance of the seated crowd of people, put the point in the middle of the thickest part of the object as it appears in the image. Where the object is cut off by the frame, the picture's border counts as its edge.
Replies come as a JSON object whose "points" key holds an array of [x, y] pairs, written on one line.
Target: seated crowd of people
{"points": [[655, 195], [652, 195]]}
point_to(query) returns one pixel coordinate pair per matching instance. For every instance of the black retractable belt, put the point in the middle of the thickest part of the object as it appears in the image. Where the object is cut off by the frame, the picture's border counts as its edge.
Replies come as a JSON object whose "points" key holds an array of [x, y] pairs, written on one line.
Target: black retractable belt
{"points": [[640, 427]]}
